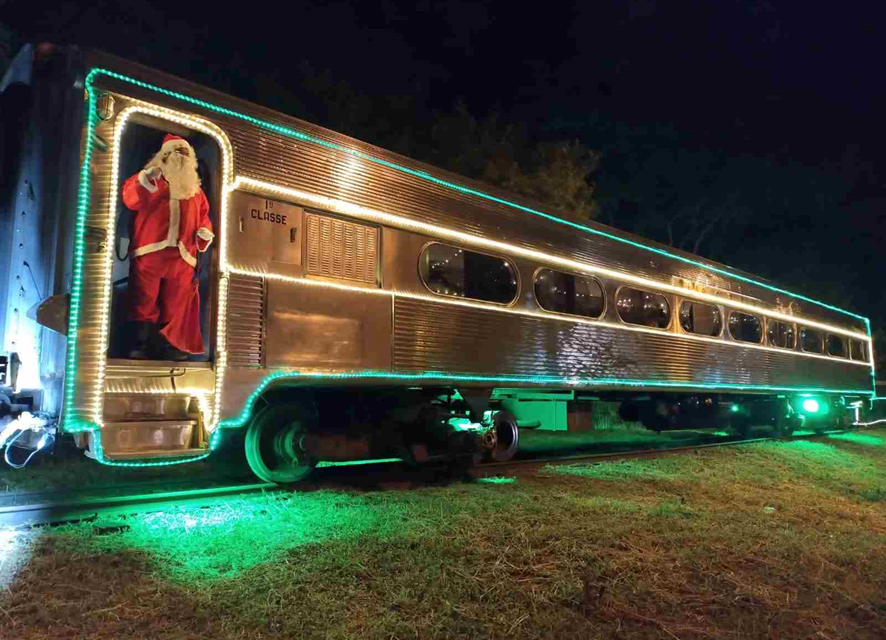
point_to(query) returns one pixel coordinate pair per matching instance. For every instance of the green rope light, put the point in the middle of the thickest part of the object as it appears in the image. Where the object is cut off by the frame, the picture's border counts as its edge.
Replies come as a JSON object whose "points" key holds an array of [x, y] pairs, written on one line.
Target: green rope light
{"points": [[292, 133], [83, 198]]}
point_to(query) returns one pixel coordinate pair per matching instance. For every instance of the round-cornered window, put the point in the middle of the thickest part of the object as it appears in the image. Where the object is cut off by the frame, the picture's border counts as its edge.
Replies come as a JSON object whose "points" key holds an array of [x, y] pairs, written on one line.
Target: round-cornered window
{"points": [[858, 350], [451, 271], [566, 293], [745, 327], [836, 346], [645, 308], [810, 340], [781, 334], [703, 319]]}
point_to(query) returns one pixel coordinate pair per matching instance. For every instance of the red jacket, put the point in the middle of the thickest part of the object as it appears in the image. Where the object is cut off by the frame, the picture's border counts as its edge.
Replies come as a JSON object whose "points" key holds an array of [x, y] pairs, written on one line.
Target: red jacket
{"points": [[162, 222]]}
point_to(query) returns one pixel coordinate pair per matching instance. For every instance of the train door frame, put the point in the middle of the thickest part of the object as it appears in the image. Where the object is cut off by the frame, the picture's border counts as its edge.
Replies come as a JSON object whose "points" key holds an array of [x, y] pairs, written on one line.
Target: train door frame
{"points": [[210, 153]]}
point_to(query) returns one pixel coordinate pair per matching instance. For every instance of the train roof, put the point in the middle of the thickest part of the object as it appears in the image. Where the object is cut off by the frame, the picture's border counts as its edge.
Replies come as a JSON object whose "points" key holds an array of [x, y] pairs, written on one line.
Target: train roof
{"points": [[503, 213]]}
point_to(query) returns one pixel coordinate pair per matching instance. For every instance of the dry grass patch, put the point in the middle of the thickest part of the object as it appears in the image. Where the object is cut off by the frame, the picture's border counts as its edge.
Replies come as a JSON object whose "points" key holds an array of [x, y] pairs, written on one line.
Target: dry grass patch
{"points": [[766, 541]]}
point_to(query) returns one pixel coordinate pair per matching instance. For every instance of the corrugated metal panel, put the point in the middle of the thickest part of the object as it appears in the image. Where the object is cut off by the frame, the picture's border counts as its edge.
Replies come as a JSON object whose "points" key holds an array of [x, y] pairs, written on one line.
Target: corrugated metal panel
{"points": [[440, 337], [319, 170], [246, 321], [341, 249], [91, 337]]}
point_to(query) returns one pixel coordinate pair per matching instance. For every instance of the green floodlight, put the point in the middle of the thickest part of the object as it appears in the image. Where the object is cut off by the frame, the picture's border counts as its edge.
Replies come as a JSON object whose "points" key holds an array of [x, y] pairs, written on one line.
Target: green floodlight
{"points": [[810, 405]]}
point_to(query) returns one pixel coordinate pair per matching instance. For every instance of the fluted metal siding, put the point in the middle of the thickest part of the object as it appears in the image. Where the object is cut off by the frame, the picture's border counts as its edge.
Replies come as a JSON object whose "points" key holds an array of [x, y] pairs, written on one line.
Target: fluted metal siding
{"points": [[341, 249], [91, 347], [440, 337], [246, 320], [315, 169]]}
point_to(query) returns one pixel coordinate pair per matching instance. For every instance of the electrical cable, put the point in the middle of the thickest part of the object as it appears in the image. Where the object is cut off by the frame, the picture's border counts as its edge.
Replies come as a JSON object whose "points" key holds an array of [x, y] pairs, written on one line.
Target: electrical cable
{"points": [[43, 442]]}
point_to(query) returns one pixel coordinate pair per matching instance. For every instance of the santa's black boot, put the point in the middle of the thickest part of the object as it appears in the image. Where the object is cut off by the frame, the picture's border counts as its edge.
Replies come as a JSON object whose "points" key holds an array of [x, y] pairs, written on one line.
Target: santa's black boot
{"points": [[141, 335], [169, 352]]}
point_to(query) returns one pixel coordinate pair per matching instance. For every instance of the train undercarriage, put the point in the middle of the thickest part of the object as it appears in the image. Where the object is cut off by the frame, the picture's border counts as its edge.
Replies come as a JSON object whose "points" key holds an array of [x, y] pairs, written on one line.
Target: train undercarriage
{"points": [[293, 430]]}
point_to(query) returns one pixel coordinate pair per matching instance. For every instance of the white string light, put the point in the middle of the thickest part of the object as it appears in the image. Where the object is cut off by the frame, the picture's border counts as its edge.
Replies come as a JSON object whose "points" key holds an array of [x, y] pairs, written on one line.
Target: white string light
{"points": [[210, 129], [459, 236]]}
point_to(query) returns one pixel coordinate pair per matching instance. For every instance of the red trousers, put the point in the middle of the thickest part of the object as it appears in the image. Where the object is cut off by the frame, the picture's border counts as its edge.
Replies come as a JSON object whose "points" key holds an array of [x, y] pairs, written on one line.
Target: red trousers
{"points": [[163, 290]]}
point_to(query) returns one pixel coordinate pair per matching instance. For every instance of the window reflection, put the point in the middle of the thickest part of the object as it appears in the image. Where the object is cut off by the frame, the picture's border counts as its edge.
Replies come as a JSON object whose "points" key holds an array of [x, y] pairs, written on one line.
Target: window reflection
{"points": [[745, 327], [810, 340], [646, 308], [781, 334], [566, 293], [703, 319], [451, 271]]}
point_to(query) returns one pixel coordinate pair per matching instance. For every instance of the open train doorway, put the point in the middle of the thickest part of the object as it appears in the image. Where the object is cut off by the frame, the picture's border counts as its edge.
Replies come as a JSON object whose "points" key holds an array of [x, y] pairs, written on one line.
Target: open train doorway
{"points": [[165, 264]]}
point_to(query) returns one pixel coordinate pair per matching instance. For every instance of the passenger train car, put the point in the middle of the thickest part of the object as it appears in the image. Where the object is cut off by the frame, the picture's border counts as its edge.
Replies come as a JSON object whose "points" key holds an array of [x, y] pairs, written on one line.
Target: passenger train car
{"points": [[358, 304]]}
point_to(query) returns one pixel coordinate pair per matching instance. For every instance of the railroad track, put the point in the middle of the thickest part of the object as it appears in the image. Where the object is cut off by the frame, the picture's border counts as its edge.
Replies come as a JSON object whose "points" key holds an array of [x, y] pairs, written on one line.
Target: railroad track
{"points": [[88, 506]]}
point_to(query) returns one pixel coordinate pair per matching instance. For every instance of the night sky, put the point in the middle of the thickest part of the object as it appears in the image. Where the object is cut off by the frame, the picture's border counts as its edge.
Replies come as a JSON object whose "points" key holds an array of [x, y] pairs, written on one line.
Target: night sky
{"points": [[801, 81]]}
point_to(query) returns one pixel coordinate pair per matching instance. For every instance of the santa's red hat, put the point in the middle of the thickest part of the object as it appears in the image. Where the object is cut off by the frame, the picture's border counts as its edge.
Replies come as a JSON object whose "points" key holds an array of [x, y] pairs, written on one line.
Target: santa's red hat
{"points": [[171, 142]]}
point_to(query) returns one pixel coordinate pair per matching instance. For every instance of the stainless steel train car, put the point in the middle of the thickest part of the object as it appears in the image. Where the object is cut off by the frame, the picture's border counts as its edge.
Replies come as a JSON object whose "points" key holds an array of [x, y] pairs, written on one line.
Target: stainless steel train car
{"points": [[359, 304]]}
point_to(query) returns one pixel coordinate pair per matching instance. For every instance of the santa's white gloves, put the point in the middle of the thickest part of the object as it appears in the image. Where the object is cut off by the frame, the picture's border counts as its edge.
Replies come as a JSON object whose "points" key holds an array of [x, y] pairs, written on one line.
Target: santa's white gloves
{"points": [[153, 173]]}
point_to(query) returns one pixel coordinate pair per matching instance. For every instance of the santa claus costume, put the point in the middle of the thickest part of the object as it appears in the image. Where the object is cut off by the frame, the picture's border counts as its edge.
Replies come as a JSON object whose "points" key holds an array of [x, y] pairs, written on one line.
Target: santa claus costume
{"points": [[171, 225]]}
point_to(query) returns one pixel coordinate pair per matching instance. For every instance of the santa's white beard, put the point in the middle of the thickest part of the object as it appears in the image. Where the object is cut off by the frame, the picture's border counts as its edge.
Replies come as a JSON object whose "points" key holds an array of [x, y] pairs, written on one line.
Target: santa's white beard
{"points": [[181, 174]]}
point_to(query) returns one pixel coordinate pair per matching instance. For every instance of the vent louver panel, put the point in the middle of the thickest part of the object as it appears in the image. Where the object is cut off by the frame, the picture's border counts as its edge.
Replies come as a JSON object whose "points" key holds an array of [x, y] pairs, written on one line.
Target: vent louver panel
{"points": [[341, 249], [246, 321]]}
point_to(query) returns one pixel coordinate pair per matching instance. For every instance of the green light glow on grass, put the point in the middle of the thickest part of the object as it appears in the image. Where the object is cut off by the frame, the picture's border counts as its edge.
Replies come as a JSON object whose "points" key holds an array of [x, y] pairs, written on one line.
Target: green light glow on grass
{"points": [[662, 469], [859, 438], [497, 480], [194, 544]]}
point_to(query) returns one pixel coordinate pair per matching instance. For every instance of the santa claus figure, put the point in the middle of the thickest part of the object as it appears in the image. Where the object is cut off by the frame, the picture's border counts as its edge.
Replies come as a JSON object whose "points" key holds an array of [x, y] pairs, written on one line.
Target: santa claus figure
{"points": [[171, 225]]}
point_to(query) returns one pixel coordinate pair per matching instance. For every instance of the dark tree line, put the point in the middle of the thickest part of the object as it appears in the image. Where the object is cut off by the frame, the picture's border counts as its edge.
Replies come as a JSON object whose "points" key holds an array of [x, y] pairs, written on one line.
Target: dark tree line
{"points": [[763, 211]]}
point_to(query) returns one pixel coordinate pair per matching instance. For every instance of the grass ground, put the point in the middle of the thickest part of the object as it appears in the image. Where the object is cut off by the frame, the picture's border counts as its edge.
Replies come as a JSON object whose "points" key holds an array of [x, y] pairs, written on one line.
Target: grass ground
{"points": [[771, 540]]}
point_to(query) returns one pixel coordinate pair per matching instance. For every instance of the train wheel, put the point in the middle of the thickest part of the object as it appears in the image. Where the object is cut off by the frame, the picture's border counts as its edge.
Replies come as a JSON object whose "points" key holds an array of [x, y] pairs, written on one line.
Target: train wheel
{"points": [[507, 436], [785, 425], [272, 444]]}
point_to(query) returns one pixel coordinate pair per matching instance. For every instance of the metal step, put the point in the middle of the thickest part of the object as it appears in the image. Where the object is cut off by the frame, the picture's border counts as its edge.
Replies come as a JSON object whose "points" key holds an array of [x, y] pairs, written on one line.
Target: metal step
{"points": [[149, 439]]}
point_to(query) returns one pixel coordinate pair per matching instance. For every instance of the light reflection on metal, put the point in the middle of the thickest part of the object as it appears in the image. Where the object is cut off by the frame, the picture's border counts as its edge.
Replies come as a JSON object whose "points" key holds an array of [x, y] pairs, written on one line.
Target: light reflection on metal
{"points": [[533, 314], [347, 208]]}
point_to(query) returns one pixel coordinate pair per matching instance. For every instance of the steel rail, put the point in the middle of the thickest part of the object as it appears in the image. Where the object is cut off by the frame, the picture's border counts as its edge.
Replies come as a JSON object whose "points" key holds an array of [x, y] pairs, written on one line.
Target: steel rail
{"points": [[90, 508]]}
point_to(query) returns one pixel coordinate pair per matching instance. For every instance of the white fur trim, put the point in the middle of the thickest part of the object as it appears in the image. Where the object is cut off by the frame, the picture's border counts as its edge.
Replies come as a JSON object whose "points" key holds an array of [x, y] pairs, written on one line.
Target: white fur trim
{"points": [[159, 246], [149, 248], [175, 218], [205, 234], [146, 182], [187, 257], [172, 144]]}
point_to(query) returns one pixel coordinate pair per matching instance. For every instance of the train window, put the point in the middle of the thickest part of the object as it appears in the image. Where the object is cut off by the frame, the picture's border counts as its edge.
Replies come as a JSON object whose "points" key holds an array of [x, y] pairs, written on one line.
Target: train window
{"points": [[836, 346], [745, 327], [781, 334], [451, 271], [810, 340], [565, 293], [643, 307], [699, 318], [858, 350]]}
